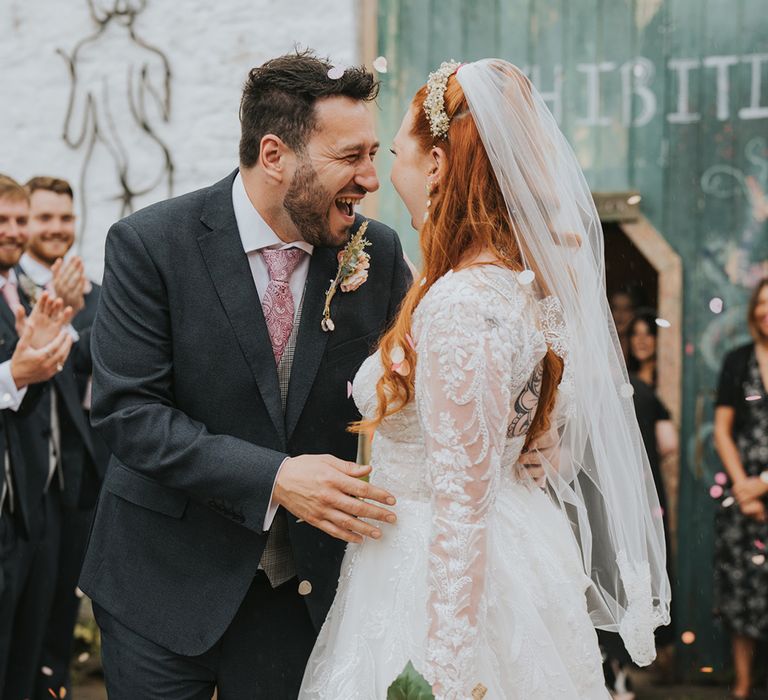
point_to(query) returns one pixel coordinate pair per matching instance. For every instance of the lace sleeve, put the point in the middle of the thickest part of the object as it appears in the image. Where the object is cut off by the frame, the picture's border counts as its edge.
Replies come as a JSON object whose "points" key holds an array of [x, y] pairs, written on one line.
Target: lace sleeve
{"points": [[463, 401]]}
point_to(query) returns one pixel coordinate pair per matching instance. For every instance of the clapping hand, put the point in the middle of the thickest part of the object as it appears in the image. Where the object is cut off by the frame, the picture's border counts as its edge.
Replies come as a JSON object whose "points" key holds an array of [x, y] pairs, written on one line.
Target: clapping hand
{"points": [[69, 282], [45, 322], [44, 342]]}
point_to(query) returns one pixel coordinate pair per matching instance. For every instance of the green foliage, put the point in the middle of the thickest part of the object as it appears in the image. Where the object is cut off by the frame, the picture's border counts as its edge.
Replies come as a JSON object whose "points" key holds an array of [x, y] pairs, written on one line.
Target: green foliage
{"points": [[410, 685]]}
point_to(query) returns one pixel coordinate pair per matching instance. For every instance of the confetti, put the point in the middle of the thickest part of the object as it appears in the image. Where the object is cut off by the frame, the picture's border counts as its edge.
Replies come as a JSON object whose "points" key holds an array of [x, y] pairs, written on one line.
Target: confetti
{"points": [[83, 657], [658, 512], [663, 323], [402, 368], [728, 502], [62, 692], [79, 593], [53, 694], [688, 637], [47, 671], [707, 669], [760, 545], [349, 389], [627, 390], [721, 478], [716, 491], [380, 64], [397, 355], [690, 348], [716, 305], [758, 559], [753, 397], [409, 340], [336, 72]]}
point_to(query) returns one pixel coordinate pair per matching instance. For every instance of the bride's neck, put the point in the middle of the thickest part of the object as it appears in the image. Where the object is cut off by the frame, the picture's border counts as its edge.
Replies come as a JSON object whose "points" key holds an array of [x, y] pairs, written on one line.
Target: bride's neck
{"points": [[483, 257]]}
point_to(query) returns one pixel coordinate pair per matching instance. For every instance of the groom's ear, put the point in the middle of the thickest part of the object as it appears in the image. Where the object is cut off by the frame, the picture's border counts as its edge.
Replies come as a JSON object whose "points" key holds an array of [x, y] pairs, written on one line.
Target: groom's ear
{"points": [[273, 154]]}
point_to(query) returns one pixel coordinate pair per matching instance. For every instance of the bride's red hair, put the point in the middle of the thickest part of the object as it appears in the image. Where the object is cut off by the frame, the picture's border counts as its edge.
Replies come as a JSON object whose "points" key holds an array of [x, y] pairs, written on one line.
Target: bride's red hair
{"points": [[468, 217]]}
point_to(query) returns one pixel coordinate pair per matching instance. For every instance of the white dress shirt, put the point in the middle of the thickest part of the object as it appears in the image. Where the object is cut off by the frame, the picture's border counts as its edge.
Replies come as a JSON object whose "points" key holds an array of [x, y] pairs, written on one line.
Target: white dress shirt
{"points": [[256, 235], [10, 396]]}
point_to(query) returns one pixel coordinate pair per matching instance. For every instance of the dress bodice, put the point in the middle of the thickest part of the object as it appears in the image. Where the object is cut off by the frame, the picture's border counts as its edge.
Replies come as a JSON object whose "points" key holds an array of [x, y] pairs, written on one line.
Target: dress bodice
{"points": [[490, 298]]}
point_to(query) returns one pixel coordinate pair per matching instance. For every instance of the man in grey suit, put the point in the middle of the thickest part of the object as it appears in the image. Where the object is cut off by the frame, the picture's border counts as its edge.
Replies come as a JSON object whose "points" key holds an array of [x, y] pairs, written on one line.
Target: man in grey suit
{"points": [[231, 492]]}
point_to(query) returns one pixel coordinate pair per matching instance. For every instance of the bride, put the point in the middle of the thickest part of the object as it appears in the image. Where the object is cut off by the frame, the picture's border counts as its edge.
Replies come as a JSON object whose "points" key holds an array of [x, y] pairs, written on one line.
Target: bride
{"points": [[488, 581]]}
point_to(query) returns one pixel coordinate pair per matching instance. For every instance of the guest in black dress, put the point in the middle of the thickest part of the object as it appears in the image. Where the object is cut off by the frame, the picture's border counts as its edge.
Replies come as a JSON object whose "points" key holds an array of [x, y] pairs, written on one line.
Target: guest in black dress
{"points": [[741, 538]]}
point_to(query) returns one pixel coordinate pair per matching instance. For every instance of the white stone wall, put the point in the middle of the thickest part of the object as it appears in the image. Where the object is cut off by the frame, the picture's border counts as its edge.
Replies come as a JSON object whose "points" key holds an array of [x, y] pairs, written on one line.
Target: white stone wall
{"points": [[209, 45]]}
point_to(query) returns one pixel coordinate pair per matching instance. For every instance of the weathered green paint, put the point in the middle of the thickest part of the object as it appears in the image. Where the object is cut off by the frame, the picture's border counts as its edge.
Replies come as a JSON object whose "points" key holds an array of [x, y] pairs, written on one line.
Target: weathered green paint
{"points": [[691, 175]]}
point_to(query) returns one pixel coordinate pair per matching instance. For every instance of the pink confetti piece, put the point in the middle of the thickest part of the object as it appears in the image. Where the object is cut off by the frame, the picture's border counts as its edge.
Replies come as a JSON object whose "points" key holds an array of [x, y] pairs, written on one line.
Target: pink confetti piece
{"points": [[690, 348], [688, 637], [721, 478], [349, 389], [658, 512], [716, 491], [753, 397], [409, 340], [760, 545]]}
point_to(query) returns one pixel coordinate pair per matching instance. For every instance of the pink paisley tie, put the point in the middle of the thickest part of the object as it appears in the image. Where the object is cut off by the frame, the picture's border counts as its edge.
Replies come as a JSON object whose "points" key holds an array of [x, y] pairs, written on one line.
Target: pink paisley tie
{"points": [[11, 294], [278, 300]]}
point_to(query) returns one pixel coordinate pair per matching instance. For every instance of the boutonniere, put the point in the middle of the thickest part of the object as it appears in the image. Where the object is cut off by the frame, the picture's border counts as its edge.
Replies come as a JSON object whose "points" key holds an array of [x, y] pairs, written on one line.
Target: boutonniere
{"points": [[30, 289], [352, 273]]}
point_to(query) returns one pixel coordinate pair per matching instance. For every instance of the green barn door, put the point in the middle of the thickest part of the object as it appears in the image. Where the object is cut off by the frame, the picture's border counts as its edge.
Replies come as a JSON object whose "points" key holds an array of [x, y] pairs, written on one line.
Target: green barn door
{"points": [[665, 97]]}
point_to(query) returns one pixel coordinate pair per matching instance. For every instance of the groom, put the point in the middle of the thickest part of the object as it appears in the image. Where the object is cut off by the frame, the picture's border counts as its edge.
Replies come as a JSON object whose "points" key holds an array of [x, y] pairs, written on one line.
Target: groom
{"points": [[217, 541]]}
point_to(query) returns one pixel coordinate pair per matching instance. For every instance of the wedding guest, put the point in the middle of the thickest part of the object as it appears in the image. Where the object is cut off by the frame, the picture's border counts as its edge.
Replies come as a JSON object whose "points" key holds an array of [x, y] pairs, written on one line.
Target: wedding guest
{"points": [[33, 349], [741, 530], [51, 236], [641, 337], [622, 305], [55, 440]]}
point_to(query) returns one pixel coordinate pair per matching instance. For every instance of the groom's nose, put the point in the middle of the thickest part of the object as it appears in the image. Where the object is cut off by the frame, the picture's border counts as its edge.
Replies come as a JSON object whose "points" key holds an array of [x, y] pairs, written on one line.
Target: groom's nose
{"points": [[366, 177]]}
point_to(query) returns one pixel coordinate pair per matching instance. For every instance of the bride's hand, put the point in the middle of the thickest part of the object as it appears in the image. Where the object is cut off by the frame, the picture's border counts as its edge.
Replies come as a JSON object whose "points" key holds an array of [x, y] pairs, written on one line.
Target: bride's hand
{"points": [[327, 492], [545, 447]]}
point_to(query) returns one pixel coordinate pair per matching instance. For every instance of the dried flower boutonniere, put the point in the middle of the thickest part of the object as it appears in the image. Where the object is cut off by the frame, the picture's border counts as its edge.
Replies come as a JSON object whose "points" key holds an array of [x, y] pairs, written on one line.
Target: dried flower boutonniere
{"points": [[352, 273]]}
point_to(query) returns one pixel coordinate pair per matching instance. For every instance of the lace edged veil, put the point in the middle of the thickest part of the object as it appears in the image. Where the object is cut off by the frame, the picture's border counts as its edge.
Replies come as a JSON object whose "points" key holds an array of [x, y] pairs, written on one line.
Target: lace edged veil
{"points": [[603, 481]]}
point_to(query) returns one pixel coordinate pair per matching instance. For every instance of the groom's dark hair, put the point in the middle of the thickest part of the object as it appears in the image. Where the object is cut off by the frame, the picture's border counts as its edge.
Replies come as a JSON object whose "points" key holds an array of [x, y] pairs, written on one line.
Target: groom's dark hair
{"points": [[279, 98]]}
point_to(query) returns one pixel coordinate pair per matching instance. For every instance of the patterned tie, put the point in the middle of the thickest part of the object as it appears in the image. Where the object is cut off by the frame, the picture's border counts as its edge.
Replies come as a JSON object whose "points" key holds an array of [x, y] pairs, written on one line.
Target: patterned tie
{"points": [[11, 294], [278, 300]]}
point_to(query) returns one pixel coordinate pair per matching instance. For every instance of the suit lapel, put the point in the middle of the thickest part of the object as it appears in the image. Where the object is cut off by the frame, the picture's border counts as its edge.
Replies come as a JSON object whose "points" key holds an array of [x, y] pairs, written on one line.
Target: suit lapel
{"points": [[311, 340], [227, 264]]}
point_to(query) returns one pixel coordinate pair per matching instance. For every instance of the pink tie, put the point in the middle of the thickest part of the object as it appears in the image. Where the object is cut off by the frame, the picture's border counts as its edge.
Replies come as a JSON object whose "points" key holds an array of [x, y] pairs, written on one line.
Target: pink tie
{"points": [[11, 294], [278, 300]]}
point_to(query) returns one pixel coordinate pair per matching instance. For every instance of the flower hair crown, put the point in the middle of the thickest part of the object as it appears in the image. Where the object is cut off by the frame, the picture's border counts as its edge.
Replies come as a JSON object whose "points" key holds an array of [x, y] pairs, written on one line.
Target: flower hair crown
{"points": [[434, 104]]}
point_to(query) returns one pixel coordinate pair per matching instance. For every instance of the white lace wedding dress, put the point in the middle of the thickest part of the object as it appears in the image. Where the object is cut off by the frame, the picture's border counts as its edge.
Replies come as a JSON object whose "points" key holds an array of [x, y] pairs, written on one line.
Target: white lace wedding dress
{"points": [[479, 581]]}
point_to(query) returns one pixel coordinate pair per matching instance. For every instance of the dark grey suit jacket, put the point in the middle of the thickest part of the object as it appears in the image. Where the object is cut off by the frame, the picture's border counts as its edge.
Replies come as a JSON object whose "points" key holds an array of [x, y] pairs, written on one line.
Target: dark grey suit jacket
{"points": [[186, 396]]}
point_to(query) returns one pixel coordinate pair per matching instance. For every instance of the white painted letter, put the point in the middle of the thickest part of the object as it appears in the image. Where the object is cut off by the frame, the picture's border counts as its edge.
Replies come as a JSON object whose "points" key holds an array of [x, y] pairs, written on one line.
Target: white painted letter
{"points": [[636, 76], [722, 63], [755, 111], [593, 71], [683, 67], [554, 98]]}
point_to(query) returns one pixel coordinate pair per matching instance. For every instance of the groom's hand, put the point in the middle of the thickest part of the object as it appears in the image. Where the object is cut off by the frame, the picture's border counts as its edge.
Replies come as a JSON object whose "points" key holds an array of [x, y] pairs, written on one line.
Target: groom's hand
{"points": [[326, 492]]}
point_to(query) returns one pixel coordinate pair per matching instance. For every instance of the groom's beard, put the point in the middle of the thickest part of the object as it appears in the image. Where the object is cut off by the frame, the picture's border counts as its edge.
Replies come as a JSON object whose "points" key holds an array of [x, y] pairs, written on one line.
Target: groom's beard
{"points": [[308, 205]]}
